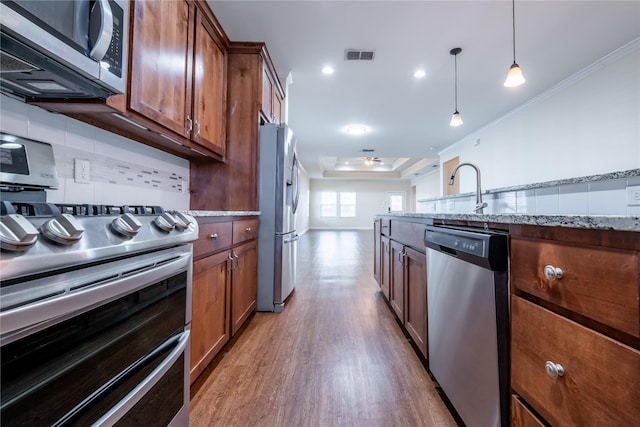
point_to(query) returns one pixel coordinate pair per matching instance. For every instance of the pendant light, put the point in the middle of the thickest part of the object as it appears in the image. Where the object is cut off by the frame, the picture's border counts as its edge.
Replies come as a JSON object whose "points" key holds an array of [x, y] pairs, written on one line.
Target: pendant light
{"points": [[514, 76], [456, 119]]}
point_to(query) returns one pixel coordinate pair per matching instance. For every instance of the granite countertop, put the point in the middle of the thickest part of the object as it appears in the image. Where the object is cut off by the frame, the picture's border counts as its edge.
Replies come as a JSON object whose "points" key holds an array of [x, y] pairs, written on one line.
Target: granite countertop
{"points": [[197, 214], [624, 223], [632, 173]]}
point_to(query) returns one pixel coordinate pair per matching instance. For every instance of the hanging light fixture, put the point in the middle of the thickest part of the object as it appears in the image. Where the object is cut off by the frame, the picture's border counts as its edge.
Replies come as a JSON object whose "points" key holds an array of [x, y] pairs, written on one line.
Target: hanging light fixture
{"points": [[456, 119], [514, 76]]}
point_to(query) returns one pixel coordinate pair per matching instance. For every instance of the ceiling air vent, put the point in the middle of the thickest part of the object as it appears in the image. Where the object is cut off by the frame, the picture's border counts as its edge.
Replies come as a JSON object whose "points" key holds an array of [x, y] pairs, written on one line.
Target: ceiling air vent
{"points": [[359, 55], [368, 150]]}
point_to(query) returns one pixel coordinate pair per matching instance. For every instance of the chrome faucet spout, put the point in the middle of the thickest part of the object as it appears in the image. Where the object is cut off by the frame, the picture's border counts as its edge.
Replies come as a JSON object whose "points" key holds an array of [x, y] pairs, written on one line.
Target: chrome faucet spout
{"points": [[480, 205]]}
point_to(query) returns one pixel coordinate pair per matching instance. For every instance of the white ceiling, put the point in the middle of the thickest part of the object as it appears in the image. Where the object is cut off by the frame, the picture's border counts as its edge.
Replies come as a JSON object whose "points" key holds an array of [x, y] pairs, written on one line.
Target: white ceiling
{"points": [[409, 117]]}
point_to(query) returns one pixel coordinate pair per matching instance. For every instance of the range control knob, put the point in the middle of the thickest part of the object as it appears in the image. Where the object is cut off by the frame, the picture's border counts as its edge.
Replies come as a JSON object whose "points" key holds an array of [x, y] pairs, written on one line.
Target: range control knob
{"points": [[127, 225], [165, 222], [16, 233], [64, 229], [183, 221]]}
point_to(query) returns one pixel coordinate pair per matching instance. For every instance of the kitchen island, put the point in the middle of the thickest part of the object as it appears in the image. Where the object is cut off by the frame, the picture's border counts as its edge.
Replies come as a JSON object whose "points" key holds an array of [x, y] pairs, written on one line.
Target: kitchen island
{"points": [[574, 308]]}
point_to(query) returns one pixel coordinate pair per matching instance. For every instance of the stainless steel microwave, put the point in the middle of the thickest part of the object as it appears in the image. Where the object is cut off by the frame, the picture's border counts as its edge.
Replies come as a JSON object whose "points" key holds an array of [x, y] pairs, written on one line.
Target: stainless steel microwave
{"points": [[64, 48]]}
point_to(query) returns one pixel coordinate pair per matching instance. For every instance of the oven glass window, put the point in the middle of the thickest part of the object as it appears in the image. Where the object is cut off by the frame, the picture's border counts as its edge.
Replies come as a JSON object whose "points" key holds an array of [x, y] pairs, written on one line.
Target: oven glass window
{"points": [[72, 373]]}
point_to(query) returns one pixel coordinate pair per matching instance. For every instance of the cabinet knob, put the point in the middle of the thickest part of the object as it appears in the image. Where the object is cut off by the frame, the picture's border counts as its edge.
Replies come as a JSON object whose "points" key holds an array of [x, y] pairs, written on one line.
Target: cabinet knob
{"points": [[554, 370], [248, 229], [553, 273], [213, 236]]}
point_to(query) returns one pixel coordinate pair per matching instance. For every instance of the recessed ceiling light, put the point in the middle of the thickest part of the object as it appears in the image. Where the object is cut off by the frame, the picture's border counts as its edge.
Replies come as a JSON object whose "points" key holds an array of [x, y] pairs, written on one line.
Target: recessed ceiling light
{"points": [[419, 74], [327, 70], [356, 129]]}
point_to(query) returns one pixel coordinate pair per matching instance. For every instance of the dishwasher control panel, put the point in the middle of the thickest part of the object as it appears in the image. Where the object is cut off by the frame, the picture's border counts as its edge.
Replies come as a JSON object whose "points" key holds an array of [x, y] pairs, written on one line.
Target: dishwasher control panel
{"points": [[482, 247]]}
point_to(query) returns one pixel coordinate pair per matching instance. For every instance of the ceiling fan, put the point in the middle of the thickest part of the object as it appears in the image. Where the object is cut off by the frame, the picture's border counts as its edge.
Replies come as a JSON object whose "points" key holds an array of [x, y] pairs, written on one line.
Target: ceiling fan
{"points": [[371, 160]]}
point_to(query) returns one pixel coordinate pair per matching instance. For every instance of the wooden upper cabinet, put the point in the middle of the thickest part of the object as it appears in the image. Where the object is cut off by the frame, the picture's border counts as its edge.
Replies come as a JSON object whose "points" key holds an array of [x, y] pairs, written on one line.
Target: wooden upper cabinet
{"points": [[178, 72], [209, 88], [271, 96], [267, 95], [160, 77], [277, 108]]}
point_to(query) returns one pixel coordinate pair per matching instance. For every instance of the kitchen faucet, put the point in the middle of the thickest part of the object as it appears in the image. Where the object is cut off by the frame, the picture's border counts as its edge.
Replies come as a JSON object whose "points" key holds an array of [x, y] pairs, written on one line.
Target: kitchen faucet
{"points": [[480, 205]]}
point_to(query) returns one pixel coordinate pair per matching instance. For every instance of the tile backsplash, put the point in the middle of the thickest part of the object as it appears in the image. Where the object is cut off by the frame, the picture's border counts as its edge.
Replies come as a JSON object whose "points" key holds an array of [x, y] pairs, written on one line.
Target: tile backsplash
{"points": [[608, 197], [121, 171]]}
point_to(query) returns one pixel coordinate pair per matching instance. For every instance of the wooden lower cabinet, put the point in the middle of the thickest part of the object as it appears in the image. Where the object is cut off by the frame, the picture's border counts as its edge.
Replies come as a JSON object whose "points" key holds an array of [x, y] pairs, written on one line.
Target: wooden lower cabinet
{"points": [[521, 416], [377, 254], [396, 297], [600, 383], [210, 307], [401, 271], [416, 297], [244, 283], [224, 286], [385, 266], [575, 318]]}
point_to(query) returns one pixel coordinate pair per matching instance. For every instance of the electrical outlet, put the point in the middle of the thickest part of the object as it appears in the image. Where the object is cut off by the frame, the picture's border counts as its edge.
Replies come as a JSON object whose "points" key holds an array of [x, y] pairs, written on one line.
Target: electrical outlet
{"points": [[82, 171], [633, 195]]}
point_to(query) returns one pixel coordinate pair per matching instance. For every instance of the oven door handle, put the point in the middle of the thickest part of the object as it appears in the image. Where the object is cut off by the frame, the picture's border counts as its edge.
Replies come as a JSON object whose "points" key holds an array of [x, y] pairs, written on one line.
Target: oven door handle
{"points": [[121, 408]]}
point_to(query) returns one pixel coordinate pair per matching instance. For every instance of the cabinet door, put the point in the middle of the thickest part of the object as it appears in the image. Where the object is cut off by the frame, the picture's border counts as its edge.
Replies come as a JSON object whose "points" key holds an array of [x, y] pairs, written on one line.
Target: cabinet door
{"points": [[599, 385], [416, 297], [161, 62], [385, 266], [209, 89], [377, 251], [244, 284], [277, 107], [267, 95], [396, 297], [210, 310]]}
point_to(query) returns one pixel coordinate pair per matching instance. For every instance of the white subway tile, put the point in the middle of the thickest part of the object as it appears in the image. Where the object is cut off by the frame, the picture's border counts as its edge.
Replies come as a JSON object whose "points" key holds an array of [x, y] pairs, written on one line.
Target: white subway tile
{"points": [[547, 201], [13, 116], [608, 197], [526, 202], [80, 136], [574, 199], [80, 193], [45, 126]]}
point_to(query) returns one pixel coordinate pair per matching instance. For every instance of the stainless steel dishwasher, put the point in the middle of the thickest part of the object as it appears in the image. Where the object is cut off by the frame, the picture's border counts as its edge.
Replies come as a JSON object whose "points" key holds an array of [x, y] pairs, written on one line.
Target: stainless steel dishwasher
{"points": [[468, 321]]}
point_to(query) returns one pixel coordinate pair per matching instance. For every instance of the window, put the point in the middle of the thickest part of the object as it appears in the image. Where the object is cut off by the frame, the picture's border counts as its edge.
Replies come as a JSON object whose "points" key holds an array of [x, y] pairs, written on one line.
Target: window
{"points": [[328, 204], [347, 204], [396, 201], [334, 204]]}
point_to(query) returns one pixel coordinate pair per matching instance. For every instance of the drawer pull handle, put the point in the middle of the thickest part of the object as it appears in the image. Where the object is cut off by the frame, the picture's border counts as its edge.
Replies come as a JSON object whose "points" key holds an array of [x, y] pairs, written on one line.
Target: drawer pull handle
{"points": [[213, 236], [248, 229], [554, 370], [551, 272]]}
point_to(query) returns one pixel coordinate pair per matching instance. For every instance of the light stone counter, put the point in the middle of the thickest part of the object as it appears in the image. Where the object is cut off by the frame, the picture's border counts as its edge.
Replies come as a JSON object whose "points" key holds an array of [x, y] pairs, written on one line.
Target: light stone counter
{"points": [[626, 223]]}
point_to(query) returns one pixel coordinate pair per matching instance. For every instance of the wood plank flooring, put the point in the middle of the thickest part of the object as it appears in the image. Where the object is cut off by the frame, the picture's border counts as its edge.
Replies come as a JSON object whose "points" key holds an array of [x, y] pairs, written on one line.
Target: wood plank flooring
{"points": [[334, 357]]}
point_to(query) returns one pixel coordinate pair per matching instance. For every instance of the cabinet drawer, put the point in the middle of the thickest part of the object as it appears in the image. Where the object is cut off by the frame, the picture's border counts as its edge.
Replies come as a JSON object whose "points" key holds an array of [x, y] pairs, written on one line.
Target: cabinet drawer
{"points": [[212, 237], [521, 416], [601, 376], [602, 284], [385, 227], [245, 230], [409, 233]]}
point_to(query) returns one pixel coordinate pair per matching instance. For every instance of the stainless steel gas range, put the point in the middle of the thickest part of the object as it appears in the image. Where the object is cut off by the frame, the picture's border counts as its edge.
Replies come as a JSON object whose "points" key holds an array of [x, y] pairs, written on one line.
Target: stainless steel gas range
{"points": [[95, 307]]}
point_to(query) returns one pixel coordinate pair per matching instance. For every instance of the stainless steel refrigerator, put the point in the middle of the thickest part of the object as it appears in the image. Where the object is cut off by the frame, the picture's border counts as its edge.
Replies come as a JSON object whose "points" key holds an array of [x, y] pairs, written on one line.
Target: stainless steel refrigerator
{"points": [[279, 195]]}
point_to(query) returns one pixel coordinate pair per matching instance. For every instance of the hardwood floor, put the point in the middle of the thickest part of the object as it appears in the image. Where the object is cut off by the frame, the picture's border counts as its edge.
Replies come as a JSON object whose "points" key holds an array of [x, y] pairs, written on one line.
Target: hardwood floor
{"points": [[334, 357]]}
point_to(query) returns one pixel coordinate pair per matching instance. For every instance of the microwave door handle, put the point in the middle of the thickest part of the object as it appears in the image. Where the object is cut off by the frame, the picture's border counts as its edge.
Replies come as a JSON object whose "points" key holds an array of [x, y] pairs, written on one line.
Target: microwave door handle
{"points": [[105, 31]]}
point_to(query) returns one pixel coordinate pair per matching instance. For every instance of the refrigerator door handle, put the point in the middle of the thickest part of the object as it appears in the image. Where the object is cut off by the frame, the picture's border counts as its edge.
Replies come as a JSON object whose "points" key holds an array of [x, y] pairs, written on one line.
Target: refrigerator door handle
{"points": [[296, 182], [293, 239]]}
